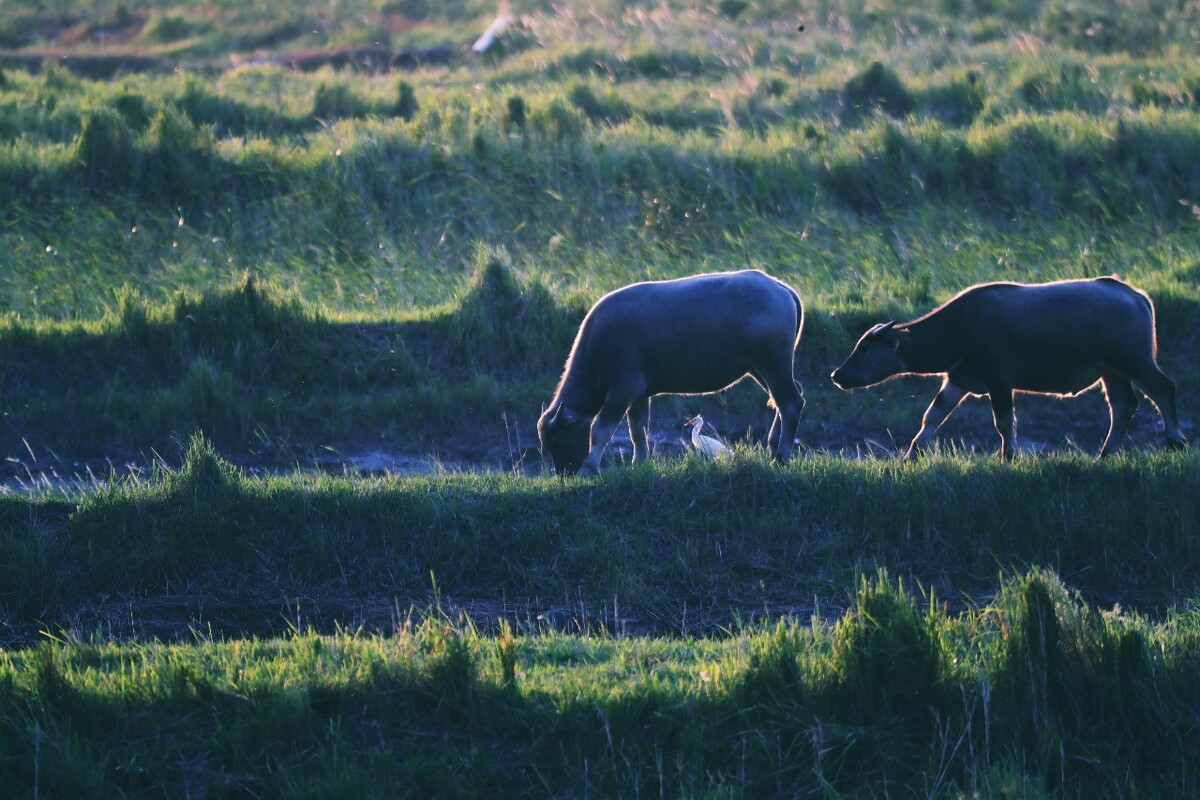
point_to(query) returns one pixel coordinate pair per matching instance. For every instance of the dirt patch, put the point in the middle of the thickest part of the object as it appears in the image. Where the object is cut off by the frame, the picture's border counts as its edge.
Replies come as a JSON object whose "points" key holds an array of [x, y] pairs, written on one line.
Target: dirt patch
{"points": [[104, 66]]}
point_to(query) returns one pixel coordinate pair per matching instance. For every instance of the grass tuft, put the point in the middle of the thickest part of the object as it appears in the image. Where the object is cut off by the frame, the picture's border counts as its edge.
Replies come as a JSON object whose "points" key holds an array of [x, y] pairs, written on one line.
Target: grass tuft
{"points": [[406, 105], [105, 145], [886, 655], [877, 87]]}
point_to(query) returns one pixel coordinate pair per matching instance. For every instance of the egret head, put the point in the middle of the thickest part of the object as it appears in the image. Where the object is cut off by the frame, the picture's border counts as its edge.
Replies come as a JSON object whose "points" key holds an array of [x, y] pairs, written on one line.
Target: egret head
{"points": [[708, 445], [564, 435]]}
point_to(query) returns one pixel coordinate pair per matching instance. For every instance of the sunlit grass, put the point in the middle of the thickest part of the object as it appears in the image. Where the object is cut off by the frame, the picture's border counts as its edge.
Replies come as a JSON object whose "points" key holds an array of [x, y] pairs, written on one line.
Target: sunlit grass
{"points": [[991, 694], [657, 162]]}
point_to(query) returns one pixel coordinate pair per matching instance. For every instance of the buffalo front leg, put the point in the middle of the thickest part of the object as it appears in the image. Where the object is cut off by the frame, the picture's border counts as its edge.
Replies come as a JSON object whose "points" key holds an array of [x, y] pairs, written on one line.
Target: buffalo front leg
{"points": [[639, 425], [603, 427], [943, 404], [1161, 391], [1122, 402]]}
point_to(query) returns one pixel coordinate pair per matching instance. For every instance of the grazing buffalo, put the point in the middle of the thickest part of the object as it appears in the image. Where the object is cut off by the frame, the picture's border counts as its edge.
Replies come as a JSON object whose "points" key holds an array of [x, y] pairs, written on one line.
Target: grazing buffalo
{"points": [[694, 335], [995, 339]]}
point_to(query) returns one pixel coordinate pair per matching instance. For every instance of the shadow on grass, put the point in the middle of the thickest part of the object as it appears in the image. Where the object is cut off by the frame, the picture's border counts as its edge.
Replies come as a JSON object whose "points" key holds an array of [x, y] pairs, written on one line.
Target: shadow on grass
{"points": [[252, 368]]}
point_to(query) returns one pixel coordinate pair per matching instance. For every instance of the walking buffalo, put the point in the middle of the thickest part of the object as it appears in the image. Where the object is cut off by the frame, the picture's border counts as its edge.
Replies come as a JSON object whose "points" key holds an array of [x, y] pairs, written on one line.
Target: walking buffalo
{"points": [[996, 339]]}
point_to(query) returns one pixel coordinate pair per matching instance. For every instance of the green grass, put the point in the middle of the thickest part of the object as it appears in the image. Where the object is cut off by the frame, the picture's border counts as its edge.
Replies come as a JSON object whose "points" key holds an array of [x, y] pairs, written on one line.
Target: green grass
{"points": [[252, 367], [625, 155], [676, 545], [1035, 693], [973, 670], [223, 261]]}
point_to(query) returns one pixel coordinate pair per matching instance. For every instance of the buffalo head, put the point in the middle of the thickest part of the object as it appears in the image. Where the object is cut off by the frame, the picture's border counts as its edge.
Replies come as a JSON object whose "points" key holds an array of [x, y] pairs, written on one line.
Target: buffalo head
{"points": [[566, 437], [875, 358]]}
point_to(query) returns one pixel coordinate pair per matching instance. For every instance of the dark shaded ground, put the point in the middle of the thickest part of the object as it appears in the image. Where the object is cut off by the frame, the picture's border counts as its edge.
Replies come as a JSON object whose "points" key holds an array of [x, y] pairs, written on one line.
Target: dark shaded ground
{"points": [[1044, 425], [877, 423]]}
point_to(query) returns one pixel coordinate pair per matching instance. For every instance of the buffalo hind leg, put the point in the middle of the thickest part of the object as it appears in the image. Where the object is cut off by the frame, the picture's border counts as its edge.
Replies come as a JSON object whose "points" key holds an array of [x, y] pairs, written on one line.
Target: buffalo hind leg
{"points": [[1122, 402], [1005, 420], [943, 404], [639, 424], [789, 404]]}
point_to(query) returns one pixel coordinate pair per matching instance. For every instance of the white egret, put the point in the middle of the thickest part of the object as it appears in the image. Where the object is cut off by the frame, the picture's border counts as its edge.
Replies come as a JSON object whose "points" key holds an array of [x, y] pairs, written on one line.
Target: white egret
{"points": [[711, 447], [502, 21]]}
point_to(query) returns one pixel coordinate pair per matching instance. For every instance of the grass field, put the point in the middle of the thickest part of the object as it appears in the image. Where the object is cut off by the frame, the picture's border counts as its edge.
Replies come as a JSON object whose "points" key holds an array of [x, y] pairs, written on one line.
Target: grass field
{"points": [[281, 295]]}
